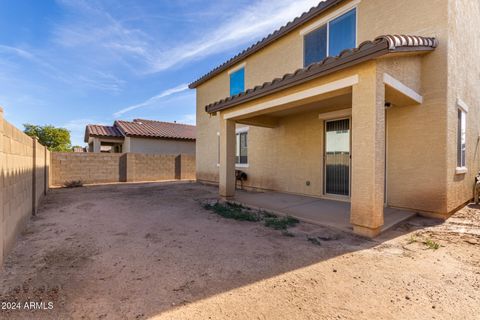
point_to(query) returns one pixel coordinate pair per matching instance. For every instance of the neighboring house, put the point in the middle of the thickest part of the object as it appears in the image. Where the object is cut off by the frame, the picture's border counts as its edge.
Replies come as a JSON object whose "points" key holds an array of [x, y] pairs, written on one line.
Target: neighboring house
{"points": [[141, 136], [78, 149], [387, 121]]}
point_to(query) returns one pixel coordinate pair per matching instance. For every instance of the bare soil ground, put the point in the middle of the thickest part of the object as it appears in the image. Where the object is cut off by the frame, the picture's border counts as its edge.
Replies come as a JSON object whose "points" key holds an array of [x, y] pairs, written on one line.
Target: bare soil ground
{"points": [[152, 251]]}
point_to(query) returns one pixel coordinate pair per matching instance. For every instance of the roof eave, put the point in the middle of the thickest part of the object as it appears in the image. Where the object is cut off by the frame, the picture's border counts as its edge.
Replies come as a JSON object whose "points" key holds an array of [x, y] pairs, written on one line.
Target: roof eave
{"points": [[367, 51], [279, 33], [159, 137], [328, 69], [105, 136]]}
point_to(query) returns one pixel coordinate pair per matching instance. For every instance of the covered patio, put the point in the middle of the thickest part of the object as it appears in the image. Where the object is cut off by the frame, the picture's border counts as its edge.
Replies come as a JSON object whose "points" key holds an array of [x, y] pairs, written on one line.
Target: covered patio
{"points": [[324, 212], [357, 87]]}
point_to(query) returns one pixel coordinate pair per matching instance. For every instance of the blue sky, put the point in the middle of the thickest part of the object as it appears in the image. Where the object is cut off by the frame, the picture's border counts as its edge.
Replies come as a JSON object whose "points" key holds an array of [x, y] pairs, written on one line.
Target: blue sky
{"points": [[74, 62]]}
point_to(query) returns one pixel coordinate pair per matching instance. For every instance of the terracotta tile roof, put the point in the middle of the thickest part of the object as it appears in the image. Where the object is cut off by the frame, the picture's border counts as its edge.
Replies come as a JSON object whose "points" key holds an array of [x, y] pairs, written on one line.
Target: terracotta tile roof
{"points": [[368, 50], [290, 26], [156, 129], [96, 130]]}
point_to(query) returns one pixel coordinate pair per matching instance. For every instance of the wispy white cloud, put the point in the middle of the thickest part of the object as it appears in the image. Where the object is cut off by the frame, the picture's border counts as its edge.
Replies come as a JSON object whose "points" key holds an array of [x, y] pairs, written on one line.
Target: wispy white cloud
{"points": [[153, 99], [100, 80], [97, 29], [20, 52], [30, 56], [251, 23], [94, 28], [91, 78], [190, 118]]}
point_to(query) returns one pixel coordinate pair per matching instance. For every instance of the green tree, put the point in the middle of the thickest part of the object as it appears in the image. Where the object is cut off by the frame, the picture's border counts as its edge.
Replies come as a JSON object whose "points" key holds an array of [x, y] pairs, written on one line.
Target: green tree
{"points": [[55, 139]]}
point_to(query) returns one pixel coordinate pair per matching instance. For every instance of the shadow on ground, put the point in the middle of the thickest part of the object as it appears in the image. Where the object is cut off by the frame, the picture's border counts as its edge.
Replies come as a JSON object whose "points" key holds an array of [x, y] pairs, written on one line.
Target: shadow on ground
{"points": [[143, 250]]}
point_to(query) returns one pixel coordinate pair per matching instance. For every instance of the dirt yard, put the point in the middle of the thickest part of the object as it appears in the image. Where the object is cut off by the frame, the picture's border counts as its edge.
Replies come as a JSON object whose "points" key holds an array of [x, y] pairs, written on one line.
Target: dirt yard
{"points": [[152, 251]]}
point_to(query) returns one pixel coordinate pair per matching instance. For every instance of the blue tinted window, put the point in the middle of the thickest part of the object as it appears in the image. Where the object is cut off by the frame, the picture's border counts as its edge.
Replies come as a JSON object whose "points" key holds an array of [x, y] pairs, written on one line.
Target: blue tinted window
{"points": [[315, 46], [342, 33], [237, 82]]}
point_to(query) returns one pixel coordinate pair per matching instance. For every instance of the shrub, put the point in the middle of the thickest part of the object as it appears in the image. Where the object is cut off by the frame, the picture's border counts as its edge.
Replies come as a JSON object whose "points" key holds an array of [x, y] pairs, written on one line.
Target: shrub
{"points": [[431, 244], [280, 223], [232, 211], [73, 184]]}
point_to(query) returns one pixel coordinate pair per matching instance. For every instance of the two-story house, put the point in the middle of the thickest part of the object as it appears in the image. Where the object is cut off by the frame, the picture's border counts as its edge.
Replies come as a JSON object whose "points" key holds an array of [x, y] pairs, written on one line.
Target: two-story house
{"points": [[366, 101]]}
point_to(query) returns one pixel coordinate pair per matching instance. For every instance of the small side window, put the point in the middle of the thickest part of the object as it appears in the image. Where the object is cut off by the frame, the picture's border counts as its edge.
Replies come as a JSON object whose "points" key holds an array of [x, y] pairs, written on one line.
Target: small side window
{"points": [[461, 138], [237, 82], [218, 149], [242, 148]]}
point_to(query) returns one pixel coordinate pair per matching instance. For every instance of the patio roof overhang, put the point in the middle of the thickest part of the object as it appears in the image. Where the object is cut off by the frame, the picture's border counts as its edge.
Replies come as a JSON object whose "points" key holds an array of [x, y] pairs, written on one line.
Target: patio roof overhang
{"points": [[329, 94], [358, 82], [348, 59]]}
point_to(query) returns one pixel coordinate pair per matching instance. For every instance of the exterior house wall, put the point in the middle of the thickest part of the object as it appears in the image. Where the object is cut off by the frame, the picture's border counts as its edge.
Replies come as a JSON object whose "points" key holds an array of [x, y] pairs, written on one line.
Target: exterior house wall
{"points": [[23, 172], [161, 146], [414, 179], [464, 84]]}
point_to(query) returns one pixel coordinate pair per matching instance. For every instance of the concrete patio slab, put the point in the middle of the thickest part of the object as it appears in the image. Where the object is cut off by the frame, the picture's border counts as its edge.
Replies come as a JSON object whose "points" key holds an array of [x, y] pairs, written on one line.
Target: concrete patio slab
{"points": [[318, 211]]}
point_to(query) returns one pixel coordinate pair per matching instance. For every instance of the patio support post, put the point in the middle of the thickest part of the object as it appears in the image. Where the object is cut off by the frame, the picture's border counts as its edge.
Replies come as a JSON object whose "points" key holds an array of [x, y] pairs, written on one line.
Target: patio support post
{"points": [[126, 145], [3, 173], [96, 145], [227, 158], [368, 154]]}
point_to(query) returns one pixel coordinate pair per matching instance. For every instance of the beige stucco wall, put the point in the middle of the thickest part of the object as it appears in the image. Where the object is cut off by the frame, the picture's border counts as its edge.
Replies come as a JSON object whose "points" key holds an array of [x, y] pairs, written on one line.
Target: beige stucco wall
{"points": [[22, 181], [161, 146], [463, 83], [289, 157], [421, 151]]}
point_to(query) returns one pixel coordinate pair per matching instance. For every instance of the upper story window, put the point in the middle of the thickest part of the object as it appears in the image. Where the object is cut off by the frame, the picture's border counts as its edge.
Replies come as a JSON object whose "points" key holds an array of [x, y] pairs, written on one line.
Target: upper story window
{"points": [[331, 38], [237, 81]]}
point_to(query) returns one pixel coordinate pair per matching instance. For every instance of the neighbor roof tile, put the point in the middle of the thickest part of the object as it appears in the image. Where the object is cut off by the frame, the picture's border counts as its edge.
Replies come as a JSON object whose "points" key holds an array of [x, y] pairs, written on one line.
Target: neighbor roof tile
{"points": [[97, 130], [156, 129]]}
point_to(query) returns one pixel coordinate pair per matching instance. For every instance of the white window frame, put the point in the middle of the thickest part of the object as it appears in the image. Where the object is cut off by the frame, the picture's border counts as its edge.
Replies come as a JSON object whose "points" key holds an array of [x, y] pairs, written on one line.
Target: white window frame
{"points": [[237, 147], [237, 67], [326, 21], [218, 148], [463, 108]]}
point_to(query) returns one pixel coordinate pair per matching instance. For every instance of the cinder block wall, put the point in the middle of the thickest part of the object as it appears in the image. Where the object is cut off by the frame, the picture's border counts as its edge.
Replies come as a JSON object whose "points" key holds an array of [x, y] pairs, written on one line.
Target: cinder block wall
{"points": [[42, 166], [115, 167], [23, 174], [187, 171], [88, 167], [150, 167]]}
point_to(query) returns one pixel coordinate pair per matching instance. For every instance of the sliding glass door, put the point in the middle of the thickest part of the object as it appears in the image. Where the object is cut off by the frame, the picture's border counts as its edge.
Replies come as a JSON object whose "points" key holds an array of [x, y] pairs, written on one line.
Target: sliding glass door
{"points": [[337, 157]]}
